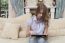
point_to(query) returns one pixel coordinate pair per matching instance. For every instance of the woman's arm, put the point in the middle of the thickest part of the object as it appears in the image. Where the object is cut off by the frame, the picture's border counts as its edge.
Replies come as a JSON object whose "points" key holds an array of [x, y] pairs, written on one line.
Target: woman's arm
{"points": [[30, 31], [46, 29]]}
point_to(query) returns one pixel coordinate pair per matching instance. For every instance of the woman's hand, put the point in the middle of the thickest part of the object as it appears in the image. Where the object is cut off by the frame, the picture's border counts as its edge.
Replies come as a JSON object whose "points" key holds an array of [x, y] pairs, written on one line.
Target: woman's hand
{"points": [[45, 33], [32, 32]]}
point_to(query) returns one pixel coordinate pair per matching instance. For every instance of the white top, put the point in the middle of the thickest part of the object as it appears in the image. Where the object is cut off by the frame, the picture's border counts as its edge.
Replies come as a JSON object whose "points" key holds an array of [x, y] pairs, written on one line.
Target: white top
{"points": [[36, 26]]}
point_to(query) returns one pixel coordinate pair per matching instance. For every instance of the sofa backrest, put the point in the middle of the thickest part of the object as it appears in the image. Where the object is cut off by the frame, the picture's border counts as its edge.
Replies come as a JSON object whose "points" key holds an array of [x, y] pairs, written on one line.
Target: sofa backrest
{"points": [[56, 27], [21, 19]]}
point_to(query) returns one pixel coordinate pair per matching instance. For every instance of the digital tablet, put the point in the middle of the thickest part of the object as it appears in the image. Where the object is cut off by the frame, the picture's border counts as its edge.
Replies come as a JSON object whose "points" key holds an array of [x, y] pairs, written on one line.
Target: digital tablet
{"points": [[39, 35]]}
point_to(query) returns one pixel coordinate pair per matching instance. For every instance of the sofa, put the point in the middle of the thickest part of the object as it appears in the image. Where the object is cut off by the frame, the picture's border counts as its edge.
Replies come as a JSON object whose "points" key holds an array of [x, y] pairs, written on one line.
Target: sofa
{"points": [[56, 30]]}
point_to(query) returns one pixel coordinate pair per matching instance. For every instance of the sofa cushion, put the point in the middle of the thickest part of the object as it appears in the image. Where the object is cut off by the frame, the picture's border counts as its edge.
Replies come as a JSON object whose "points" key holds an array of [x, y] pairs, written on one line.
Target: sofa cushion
{"points": [[10, 30], [56, 32], [24, 30], [57, 23], [1, 25], [23, 34], [20, 40], [2, 22], [56, 39], [56, 27], [23, 18]]}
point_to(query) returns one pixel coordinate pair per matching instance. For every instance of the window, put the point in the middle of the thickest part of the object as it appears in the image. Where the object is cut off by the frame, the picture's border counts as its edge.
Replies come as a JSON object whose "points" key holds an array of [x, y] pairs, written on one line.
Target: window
{"points": [[4, 8]]}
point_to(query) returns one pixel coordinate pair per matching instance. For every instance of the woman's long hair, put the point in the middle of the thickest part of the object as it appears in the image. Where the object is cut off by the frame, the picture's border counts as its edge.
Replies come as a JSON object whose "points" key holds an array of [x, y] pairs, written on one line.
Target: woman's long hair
{"points": [[45, 14]]}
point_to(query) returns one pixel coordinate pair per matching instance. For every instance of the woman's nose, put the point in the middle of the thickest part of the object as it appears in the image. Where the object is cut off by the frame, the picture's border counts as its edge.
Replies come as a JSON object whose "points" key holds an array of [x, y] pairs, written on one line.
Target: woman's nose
{"points": [[40, 14]]}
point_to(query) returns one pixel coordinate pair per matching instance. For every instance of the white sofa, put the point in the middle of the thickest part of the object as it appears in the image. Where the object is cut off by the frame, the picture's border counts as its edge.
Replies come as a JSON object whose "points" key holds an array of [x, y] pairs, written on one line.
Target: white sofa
{"points": [[19, 20], [56, 31]]}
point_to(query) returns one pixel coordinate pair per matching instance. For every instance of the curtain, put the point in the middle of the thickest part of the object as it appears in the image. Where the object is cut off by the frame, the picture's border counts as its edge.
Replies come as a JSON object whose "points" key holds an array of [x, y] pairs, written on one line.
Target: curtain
{"points": [[60, 5], [18, 6]]}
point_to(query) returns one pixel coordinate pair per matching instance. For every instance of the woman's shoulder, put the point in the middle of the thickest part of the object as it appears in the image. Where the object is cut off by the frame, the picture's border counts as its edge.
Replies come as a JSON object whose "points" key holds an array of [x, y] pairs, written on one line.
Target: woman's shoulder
{"points": [[29, 21]]}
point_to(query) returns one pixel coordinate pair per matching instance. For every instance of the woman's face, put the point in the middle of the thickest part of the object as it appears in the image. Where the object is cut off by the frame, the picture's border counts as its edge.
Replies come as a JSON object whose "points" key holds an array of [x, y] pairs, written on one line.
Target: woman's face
{"points": [[39, 15]]}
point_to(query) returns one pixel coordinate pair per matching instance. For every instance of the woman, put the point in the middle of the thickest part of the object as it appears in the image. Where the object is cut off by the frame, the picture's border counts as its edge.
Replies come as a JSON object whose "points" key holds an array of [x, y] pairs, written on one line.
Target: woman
{"points": [[38, 25]]}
